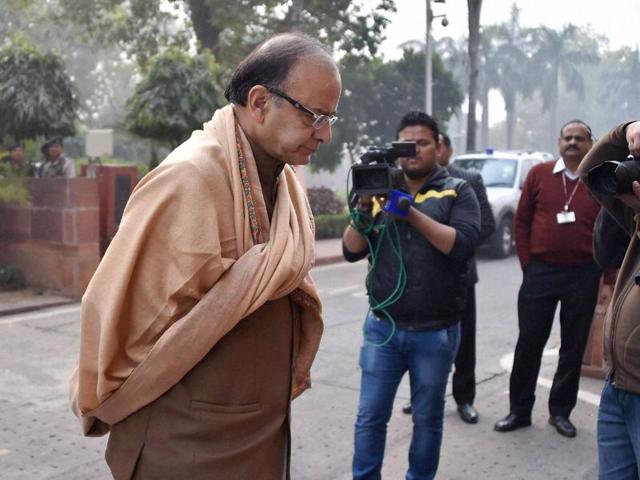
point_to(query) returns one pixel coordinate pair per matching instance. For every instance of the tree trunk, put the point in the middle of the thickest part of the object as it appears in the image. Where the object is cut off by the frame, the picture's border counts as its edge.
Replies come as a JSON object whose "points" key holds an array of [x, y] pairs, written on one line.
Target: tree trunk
{"points": [[474, 44], [553, 110], [510, 109], [484, 121], [201, 16], [153, 161]]}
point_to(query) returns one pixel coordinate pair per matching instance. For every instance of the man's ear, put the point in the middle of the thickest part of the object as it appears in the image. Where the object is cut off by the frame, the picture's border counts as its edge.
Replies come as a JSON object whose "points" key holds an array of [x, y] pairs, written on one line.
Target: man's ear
{"points": [[438, 150], [258, 102]]}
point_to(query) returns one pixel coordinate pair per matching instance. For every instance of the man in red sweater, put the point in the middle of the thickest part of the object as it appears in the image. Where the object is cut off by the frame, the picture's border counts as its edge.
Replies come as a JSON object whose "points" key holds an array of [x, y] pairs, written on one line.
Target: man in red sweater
{"points": [[553, 228]]}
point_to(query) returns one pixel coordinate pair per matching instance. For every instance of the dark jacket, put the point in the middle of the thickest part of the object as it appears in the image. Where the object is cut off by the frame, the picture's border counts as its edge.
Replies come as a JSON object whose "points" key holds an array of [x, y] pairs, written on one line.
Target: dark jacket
{"points": [[610, 241], [622, 322], [487, 220], [435, 291]]}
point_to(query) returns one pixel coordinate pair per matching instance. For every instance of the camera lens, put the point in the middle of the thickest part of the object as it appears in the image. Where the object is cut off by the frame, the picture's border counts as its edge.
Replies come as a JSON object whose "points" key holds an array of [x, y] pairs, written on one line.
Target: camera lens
{"points": [[626, 173], [602, 178]]}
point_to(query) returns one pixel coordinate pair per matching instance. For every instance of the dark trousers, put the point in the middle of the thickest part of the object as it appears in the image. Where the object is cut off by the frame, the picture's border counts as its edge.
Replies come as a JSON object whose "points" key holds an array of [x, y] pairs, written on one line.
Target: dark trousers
{"points": [[464, 377], [543, 287]]}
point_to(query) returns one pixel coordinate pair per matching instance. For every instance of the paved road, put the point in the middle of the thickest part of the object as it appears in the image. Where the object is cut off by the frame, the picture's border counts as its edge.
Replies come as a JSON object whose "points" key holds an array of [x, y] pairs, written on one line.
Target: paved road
{"points": [[39, 438]]}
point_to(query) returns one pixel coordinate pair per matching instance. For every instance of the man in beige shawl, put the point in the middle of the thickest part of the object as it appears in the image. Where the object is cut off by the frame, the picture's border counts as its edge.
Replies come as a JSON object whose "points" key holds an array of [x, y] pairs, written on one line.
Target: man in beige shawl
{"points": [[201, 323]]}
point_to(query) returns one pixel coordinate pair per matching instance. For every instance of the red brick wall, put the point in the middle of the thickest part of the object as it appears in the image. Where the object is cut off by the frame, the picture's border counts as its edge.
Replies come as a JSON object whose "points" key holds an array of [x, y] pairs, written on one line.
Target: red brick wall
{"points": [[56, 240]]}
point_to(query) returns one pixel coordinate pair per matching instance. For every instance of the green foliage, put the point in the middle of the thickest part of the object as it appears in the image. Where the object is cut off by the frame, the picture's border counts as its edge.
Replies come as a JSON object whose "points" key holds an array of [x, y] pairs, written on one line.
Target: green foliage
{"points": [[331, 225], [11, 278], [559, 57], [14, 187], [505, 52], [142, 28], [375, 96], [139, 29], [37, 97], [104, 76], [344, 25], [178, 94], [323, 200], [619, 88]]}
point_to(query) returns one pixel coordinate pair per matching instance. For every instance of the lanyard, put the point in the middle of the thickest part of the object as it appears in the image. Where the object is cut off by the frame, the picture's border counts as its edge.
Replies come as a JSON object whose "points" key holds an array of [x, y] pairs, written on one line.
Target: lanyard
{"points": [[564, 184]]}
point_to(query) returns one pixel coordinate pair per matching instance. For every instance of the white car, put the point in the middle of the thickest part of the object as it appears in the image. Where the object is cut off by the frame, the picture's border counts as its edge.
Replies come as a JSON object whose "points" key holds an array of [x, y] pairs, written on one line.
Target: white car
{"points": [[503, 173]]}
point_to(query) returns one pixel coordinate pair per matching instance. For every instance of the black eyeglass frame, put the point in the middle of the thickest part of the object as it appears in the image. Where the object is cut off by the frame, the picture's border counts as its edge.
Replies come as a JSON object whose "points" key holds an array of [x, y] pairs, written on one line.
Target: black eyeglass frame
{"points": [[319, 119]]}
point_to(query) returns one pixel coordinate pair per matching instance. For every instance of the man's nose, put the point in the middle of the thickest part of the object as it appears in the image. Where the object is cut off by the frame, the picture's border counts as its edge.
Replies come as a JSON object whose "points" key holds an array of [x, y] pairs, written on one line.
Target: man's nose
{"points": [[324, 133]]}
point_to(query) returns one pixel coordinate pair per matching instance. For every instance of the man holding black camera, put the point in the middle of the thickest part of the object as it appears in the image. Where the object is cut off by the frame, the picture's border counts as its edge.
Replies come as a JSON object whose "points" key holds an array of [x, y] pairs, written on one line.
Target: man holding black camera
{"points": [[553, 226], [464, 378], [619, 412], [420, 332], [464, 381]]}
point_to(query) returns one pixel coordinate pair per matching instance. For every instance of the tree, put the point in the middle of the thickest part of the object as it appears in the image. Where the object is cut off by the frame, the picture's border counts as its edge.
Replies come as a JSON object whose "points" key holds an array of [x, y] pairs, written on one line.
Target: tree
{"points": [[104, 78], [506, 55], [376, 94], [37, 97], [229, 29], [177, 96], [559, 55], [487, 78], [620, 82], [474, 7], [140, 29]]}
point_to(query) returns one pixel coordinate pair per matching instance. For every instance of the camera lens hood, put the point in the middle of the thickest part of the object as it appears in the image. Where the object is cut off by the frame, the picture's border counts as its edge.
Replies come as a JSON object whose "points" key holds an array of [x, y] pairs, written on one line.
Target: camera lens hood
{"points": [[602, 178]]}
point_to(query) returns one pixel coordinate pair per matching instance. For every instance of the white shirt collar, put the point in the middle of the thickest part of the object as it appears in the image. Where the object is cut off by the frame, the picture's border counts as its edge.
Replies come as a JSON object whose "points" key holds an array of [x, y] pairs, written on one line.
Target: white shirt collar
{"points": [[561, 167]]}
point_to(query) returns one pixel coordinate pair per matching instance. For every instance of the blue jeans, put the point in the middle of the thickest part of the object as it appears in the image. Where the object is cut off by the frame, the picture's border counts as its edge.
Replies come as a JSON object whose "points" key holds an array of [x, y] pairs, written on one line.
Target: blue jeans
{"points": [[428, 356], [618, 434]]}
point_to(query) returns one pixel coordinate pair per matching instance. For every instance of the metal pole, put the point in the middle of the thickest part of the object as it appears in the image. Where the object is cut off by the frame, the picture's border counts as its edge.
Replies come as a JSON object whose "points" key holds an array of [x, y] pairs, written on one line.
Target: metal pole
{"points": [[427, 55]]}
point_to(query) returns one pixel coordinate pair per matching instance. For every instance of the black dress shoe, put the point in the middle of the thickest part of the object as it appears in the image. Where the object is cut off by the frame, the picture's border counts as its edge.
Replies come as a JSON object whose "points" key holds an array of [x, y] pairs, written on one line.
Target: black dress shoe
{"points": [[511, 422], [407, 408], [563, 426], [468, 414]]}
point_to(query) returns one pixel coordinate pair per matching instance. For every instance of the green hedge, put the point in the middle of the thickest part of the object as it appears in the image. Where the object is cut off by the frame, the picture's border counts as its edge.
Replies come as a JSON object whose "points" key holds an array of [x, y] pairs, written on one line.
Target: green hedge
{"points": [[331, 225]]}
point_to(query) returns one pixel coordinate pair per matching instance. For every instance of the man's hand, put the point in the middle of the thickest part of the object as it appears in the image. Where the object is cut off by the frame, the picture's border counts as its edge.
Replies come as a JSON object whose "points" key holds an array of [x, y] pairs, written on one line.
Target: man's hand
{"points": [[365, 203], [300, 384], [633, 138]]}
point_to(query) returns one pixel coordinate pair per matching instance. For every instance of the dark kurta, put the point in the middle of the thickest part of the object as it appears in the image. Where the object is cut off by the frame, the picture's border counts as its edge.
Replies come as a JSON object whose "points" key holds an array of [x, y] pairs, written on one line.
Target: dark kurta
{"points": [[228, 417]]}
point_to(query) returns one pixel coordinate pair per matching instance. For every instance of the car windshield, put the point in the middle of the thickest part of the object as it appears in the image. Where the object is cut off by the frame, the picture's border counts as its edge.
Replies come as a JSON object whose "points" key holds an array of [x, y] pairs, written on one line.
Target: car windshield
{"points": [[495, 172]]}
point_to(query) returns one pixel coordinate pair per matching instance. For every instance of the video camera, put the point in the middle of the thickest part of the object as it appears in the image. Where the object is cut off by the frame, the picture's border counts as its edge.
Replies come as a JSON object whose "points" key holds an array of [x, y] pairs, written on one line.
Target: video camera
{"points": [[376, 174], [613, 176]]}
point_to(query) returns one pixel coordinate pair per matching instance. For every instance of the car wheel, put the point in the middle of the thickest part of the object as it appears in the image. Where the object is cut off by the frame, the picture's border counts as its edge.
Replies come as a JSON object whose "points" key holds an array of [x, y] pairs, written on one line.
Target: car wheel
{"points": [[502, 244]]}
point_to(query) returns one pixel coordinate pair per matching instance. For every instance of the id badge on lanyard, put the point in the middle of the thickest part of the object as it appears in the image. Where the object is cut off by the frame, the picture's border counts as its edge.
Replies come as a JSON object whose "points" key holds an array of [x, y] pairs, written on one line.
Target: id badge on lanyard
{"points": [[566, 215]]}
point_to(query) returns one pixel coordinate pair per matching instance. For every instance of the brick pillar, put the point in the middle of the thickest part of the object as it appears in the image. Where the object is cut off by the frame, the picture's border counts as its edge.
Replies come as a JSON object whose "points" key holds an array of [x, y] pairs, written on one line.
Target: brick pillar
{"points": [[55, 241], [593, 360]]}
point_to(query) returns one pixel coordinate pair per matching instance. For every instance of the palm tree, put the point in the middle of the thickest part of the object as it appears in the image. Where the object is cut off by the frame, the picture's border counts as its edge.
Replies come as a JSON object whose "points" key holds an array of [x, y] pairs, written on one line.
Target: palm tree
{"points": [[486, 79], [559, 55], [620, 82], [506, 66]]}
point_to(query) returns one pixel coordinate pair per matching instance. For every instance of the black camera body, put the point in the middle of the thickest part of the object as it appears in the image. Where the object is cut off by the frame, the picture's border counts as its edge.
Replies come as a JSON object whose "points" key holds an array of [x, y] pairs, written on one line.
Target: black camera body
{"points": [[377, 173], [614, 177]]}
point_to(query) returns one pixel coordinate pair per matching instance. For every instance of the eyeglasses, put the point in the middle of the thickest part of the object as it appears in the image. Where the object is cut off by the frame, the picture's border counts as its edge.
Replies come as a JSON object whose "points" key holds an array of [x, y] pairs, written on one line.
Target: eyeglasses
{"points": [[319, 119]]}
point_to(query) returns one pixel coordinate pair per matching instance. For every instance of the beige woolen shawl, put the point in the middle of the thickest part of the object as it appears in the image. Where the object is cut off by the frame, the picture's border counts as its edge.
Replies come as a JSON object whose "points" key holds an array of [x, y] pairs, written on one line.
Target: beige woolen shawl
{"points": [[194, 255]]}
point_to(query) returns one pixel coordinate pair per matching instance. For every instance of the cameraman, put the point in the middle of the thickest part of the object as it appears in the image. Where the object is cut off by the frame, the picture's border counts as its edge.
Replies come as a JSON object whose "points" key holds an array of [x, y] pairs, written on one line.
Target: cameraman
{"points": [[619, 413], [437, 239]]}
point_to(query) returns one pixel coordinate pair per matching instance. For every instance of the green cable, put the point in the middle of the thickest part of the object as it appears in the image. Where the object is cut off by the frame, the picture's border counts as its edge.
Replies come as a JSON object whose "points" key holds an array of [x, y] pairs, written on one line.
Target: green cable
{"points": [[364, 224]]}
